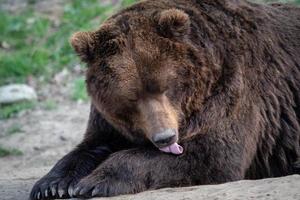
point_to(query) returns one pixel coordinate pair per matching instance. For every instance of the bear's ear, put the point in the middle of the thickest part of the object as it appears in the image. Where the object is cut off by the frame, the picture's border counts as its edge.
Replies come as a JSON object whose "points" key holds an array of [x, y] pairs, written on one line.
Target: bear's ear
{"points": [[84, 45], [174, 23]]}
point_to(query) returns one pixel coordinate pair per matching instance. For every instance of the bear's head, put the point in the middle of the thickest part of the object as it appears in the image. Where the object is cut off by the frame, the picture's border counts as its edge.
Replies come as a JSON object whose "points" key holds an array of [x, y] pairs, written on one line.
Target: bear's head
{"points": [[139, 66]]}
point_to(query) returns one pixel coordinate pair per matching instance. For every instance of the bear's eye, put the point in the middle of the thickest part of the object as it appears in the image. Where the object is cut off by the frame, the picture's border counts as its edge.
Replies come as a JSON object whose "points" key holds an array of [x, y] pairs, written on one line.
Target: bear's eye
{"points": [[165, 89], [156, 88], [133, 100], [104, 67], [91, 79]]}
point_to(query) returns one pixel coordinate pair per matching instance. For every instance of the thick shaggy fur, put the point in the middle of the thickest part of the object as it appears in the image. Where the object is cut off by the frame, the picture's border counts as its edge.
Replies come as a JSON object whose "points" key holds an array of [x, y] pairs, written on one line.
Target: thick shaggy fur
{"points": [[224, 74]]}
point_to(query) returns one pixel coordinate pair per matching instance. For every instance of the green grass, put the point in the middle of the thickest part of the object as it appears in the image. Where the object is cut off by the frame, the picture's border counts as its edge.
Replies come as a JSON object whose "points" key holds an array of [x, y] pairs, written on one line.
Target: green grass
{"points": [[49, 104], [13, 129], [23, 58], [281, 1], [7, 111], [35, 46], [126, 3], [79, 90], [9, 152]]}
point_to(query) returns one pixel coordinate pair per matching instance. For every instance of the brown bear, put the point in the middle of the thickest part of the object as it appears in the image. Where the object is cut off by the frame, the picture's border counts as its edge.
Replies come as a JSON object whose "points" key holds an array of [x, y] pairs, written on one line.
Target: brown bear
{"points": [[218, 80]]}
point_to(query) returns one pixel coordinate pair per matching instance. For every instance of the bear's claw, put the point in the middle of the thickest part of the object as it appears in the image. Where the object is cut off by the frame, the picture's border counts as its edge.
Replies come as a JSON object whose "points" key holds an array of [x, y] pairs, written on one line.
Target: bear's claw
{"points": [[90, 187], [51, 188], [82, 191]]}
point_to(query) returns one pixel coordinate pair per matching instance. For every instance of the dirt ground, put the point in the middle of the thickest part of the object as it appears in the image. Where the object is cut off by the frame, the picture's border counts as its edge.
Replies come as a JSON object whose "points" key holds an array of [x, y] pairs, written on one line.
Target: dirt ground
{"points": [[46, 136]]}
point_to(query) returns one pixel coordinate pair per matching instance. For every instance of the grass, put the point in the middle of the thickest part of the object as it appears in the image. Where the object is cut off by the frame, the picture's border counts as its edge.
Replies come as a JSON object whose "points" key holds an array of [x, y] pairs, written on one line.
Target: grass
{"points": [[4, 152], [22, 58], [126, 3], [79, 90], [49, 104], [33, 45], [281, 1], [13, 129], [7, 111]]}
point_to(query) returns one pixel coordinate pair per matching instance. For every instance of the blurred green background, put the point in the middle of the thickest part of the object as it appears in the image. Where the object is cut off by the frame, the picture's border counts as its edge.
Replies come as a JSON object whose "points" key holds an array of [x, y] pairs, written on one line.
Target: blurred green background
{"points": [[36, 43]]}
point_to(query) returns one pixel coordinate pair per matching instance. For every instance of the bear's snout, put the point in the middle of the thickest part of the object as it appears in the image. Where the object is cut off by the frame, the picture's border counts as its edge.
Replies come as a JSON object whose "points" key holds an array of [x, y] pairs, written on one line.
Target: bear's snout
{"points": [[165, 138], [158, 121]]}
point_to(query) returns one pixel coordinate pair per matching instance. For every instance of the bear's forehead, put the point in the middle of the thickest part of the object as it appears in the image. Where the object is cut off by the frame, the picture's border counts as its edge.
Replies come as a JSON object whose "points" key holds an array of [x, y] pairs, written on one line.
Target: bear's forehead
{"points": [[140, 50], [130, 41], [136, 19]]}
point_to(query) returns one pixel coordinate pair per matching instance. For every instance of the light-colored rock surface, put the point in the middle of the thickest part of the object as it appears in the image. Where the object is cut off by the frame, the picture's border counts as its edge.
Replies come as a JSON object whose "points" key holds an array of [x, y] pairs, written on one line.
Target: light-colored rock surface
{"points": [[285, 188], [16, 93]]}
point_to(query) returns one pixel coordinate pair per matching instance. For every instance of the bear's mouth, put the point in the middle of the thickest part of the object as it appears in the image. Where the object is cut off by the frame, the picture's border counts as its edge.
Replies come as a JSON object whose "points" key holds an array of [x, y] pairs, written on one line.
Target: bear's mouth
{"points": [[166, 141], [174, 148]]}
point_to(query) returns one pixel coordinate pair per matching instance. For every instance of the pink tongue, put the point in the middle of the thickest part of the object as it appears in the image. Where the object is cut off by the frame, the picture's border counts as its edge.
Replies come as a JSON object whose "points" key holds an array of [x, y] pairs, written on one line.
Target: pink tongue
{"points": [[173, 148]]}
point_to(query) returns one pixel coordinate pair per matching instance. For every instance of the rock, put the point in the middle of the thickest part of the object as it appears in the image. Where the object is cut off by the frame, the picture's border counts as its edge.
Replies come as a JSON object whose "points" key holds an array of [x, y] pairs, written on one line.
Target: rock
{"points": [[285, 188], [61, 76], [16, 93]]}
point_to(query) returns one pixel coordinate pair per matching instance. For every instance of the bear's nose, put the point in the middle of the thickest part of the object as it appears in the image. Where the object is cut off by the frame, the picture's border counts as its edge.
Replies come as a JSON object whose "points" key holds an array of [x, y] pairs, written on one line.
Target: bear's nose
{"points": [[164, 138]]}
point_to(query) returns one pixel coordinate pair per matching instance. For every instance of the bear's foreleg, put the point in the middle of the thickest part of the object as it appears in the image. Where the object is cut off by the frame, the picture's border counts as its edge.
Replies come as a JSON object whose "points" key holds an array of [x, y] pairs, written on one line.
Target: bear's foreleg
{"points": [[208, 159]]}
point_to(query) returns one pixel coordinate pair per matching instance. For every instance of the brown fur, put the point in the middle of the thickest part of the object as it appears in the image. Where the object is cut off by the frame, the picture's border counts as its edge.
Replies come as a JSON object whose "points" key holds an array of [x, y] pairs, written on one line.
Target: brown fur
{"points": [[224, 74]]}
